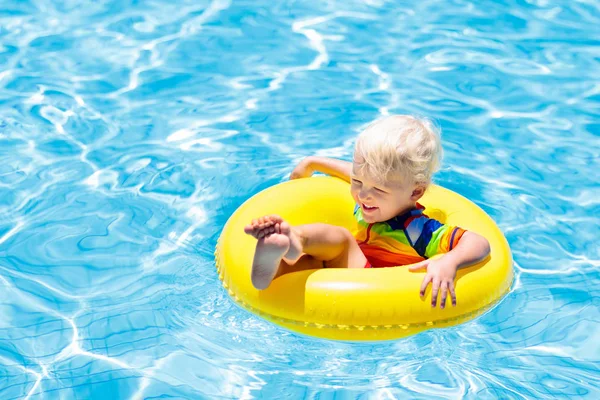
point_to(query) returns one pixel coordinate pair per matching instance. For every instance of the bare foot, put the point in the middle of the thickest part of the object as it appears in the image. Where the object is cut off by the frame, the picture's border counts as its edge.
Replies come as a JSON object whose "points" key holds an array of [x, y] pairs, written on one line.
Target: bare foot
{"points": [[295, 250], [263, 226], [267, 257], [276, 241]]}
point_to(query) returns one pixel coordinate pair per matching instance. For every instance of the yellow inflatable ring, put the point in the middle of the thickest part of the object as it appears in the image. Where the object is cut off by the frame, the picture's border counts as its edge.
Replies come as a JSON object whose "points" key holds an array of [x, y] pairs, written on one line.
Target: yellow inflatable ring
{"points": [[357, 304]]}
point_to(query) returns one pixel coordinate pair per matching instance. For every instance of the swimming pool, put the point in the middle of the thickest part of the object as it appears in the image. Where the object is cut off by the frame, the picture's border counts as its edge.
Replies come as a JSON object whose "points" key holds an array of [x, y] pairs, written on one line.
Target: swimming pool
{"points": [[129, 132]]}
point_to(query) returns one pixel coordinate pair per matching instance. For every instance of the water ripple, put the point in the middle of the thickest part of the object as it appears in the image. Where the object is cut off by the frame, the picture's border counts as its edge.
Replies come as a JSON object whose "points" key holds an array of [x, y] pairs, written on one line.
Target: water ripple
{"points": [[129, 133]]}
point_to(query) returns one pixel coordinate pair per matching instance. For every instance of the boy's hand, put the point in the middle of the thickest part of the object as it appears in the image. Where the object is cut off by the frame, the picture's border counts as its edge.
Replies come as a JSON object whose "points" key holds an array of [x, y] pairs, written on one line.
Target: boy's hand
{"points": [[302, 170], [440, 273]]}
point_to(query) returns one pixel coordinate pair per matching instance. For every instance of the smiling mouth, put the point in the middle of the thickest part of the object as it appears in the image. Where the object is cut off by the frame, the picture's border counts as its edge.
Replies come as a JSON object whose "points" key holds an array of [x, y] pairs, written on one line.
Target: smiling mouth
{"points": [[367, 208]]}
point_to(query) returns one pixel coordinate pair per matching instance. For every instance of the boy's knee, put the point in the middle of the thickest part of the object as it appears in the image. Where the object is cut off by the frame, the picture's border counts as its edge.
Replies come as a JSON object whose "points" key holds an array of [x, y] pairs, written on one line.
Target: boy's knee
{"points": [[320, 233], [345, 235]]}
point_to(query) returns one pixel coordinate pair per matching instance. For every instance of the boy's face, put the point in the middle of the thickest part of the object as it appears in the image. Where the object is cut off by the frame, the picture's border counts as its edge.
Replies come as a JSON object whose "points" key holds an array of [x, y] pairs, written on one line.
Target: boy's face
{"points": [[382, 200]]}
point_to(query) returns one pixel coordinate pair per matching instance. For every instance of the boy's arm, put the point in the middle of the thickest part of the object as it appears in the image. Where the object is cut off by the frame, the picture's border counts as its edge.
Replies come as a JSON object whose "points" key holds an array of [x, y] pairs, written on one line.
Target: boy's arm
{"points": [[470, 249], [330, 166]]}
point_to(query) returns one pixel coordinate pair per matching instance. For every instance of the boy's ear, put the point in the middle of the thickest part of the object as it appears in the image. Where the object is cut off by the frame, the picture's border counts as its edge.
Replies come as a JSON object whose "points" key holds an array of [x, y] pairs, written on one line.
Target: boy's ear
{"points": [[417, 193]]}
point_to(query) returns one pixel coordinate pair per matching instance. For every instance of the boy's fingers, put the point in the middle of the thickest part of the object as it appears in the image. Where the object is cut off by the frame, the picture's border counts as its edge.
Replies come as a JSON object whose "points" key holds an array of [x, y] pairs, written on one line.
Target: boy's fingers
{"points": [[419, 266], [424, 284], [452, 293], [435, 287], [444, 294]]}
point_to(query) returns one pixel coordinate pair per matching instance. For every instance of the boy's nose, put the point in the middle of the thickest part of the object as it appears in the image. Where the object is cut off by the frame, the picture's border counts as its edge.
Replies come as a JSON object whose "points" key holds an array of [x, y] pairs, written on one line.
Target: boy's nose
{"points": [[364, 195]]}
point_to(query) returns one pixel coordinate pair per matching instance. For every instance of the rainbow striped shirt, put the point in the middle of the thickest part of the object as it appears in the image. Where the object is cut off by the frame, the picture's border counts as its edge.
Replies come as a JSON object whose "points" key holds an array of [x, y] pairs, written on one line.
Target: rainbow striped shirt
{"points": [[404, 239]]}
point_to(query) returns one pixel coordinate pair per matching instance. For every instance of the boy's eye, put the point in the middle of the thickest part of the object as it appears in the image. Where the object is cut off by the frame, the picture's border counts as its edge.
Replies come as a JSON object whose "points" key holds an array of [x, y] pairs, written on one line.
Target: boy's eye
{"points": [[356, 181], [380, 190]]}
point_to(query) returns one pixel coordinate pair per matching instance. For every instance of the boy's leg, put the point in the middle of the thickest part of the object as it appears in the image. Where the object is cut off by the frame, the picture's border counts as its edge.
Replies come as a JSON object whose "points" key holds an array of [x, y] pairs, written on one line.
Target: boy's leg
{"points": [[323, 245], [281, 249], [333, 245]]}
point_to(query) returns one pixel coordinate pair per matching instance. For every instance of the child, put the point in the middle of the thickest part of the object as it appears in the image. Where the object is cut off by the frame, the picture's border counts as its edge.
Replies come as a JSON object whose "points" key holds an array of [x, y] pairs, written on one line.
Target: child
{"points": [[394, 160]]}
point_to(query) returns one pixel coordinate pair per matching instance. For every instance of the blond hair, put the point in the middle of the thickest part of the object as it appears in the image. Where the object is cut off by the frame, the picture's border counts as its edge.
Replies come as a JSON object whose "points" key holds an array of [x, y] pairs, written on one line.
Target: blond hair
{"points": [[400, 144]]}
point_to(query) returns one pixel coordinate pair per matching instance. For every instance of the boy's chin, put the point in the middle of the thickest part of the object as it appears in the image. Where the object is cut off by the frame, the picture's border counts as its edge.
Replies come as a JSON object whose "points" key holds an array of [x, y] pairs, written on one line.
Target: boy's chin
{"points": [[370, 219]]}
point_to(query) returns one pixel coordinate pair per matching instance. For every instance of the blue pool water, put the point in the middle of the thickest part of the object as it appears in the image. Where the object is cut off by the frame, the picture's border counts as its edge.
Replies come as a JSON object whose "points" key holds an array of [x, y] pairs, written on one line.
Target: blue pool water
{"points": [[130, 131]]}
